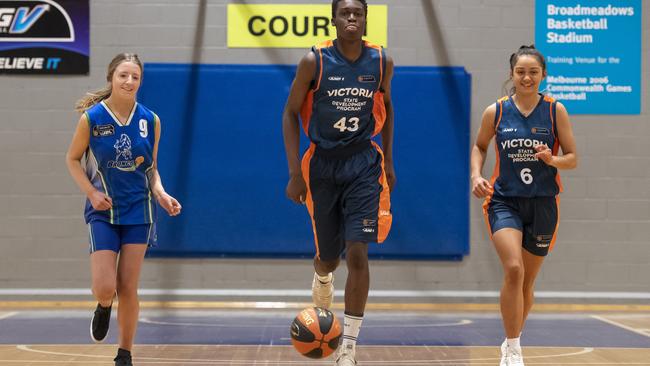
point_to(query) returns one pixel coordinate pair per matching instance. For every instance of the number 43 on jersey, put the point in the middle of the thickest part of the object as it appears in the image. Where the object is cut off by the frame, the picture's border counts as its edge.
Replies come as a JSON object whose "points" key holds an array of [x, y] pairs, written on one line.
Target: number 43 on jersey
{"points": [[345, 124]]}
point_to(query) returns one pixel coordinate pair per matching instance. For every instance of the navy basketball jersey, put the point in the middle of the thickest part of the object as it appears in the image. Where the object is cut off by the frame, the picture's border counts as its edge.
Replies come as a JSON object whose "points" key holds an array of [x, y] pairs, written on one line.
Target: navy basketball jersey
{"points": [[517, 172], [345, 105], [118, 161]]}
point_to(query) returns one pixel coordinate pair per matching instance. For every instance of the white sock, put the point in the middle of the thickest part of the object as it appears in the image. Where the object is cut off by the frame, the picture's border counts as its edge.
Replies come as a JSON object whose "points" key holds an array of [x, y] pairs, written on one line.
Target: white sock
{"points": [[513, 343], [351, 327], [505, 340], [324, 279]]}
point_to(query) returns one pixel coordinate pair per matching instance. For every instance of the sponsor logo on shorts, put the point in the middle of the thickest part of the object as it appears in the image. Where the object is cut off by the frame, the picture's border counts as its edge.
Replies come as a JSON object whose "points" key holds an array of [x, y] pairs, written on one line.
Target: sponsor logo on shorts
{"points": [[369, 225], [544, 241]]}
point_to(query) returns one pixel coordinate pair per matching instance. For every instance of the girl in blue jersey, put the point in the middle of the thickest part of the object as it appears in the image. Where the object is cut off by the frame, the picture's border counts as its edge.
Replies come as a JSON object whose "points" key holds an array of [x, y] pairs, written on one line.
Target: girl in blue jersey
{"points": [[118, 138], [521, 200]]}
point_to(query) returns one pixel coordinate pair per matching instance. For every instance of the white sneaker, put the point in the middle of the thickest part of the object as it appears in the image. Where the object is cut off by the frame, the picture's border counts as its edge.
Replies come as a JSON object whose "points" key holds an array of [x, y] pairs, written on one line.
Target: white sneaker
{"points": [[322, 293], [504, 351], [345, 358], [514, 357]]}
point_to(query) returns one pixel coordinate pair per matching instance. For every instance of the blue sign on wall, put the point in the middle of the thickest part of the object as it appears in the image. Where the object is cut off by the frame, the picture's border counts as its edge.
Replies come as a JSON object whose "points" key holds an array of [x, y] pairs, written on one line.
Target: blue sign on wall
{"points": [[222, 155], [593, 53]]}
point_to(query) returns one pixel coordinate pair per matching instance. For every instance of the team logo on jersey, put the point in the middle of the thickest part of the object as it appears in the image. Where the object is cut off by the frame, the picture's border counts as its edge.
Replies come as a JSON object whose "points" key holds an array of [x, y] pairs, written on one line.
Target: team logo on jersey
{"points": [[367, 79], [540, 131], [103, 130], [124, 159], [123, 147]]}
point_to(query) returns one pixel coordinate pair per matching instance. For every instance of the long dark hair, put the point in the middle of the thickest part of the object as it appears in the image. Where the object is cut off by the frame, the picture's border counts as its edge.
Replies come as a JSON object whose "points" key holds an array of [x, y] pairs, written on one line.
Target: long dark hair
{"points": [[93, 97], [523, 51]]}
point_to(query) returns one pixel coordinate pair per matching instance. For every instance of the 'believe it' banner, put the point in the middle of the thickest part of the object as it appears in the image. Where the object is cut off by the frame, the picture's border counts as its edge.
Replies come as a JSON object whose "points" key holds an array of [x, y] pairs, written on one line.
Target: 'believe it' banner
{"points": [[44, 37]]}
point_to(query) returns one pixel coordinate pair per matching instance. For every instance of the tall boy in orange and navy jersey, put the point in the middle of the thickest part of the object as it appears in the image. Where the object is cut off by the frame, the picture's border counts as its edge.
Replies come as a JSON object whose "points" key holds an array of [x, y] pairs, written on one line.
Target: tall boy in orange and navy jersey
{"points": [[342, 94]]}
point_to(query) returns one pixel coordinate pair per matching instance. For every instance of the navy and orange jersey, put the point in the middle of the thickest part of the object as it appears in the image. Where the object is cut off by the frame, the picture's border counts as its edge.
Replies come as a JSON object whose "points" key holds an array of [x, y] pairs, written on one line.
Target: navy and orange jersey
{"points": [[518, 173], [119, 160], [345, 105]]}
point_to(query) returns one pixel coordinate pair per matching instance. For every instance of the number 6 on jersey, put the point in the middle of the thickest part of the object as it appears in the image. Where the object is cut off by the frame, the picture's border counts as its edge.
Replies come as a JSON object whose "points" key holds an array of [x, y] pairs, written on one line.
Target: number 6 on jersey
{"points": [[525, 175]]}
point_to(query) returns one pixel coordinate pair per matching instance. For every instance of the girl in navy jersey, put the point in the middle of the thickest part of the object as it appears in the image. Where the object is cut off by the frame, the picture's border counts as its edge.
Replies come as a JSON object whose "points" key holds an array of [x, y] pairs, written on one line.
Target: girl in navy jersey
{"points": [[118, 139], [521, 199]]}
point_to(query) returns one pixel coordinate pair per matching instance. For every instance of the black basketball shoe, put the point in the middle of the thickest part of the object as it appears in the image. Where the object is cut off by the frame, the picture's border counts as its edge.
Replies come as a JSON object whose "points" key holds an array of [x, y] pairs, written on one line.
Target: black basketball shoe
{"points": [[123, 358], [99, 324]]}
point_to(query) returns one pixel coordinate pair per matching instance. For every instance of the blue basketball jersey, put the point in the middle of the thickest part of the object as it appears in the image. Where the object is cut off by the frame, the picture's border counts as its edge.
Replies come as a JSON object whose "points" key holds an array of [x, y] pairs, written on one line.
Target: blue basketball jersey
{"points": [[345, 105], [118, 162], [517, 172]]}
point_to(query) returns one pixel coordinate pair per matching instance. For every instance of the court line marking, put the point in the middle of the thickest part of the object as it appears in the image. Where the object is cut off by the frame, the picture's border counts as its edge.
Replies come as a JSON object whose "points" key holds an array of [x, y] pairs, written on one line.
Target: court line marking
{"points": [[617, 324], [268, 362], [389, 363], [455, 307], [307, 293], [27, 348], [145, 345], [430, 325], [8, 315]]}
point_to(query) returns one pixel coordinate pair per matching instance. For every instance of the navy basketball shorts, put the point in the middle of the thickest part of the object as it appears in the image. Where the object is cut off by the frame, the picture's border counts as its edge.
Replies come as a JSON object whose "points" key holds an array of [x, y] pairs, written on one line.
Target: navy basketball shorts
{"points": [[536, 217], [348, 197], [106, 236]]}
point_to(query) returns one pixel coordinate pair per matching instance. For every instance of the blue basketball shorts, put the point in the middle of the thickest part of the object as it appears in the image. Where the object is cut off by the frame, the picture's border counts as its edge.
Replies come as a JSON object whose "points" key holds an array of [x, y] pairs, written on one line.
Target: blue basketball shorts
{"points": [[536, 217], [106, 236], [348, 197]]}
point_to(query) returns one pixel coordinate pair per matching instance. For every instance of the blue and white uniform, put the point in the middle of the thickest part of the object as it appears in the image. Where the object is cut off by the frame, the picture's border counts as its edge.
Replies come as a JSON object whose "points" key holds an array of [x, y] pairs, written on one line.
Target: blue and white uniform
{"points": [[119, 161]]}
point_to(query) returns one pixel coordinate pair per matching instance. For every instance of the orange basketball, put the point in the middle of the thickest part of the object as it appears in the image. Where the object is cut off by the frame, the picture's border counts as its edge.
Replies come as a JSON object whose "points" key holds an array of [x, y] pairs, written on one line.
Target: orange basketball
{"points": [[315, 332]]}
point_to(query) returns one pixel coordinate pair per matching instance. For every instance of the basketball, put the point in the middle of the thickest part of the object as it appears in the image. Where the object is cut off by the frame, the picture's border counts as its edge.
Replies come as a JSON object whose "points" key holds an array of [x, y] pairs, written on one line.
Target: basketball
{"points": [[315, 332]]}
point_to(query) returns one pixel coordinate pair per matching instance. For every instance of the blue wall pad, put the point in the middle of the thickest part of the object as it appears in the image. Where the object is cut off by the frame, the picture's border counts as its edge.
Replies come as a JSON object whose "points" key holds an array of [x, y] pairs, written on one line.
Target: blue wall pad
{"points": [[222, 156]]}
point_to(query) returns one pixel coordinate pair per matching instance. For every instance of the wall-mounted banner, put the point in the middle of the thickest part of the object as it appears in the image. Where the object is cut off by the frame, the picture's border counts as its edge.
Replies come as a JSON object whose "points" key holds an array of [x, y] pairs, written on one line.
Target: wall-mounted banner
{"points": [[294, 26], [44, 37], [593, 53]]}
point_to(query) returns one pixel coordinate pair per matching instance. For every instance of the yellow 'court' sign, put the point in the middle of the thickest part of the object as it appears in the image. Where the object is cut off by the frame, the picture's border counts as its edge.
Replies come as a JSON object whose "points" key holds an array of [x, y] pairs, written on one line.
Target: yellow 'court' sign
{"points": [[294, 26]]}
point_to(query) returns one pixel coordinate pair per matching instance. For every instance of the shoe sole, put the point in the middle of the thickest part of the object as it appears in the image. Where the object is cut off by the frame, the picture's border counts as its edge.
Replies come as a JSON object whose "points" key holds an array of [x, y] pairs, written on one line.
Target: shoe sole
{"points": [[93, 337], [109, 329]]}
